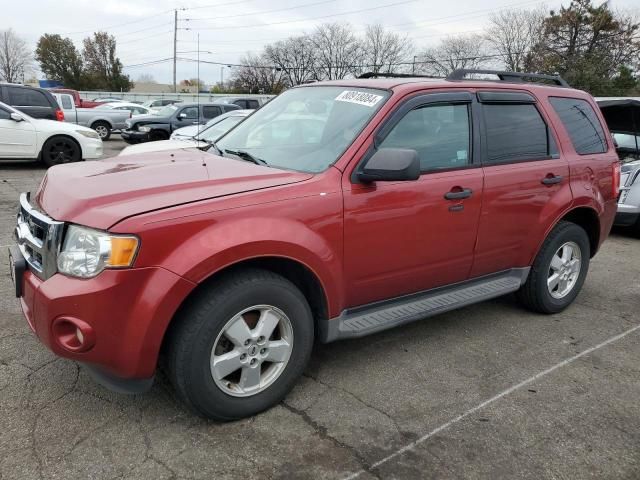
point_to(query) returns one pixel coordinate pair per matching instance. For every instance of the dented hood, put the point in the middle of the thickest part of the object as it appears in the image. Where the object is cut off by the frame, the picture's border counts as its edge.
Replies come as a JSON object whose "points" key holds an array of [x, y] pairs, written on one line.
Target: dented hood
{"points": [[101, 193]]}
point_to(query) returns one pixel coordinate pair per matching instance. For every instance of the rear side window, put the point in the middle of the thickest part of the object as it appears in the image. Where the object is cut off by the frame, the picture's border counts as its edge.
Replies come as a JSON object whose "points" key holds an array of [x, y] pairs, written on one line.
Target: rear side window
{"points": [[26, 97], [582, 125], [66, 102], [211, 112], [515, 132], [253, 104]]}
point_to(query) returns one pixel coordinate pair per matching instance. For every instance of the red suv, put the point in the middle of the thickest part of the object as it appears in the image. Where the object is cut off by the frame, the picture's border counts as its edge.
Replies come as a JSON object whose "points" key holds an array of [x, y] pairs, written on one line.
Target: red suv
{"points": [[337, 210]]}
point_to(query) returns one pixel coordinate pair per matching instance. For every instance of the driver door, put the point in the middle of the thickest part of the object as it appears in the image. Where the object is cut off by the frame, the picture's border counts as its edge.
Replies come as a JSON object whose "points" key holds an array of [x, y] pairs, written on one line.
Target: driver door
{"points": [[405, 237], [17, 139]]}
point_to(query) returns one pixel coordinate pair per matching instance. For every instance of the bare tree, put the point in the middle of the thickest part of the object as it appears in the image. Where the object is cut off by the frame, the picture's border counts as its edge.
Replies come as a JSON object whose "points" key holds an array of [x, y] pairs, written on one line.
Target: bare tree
{"points": [[384, 51], [257, 75], [453, 53], [337, 51], [146, 78], [15, 58], [513, 33], [294, 57]]}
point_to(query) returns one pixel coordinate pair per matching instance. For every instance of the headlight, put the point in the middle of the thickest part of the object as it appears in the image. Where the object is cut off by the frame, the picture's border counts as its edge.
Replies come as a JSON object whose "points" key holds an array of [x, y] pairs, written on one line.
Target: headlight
{"points": [[88, 133], [87, 252], [144, 129]]}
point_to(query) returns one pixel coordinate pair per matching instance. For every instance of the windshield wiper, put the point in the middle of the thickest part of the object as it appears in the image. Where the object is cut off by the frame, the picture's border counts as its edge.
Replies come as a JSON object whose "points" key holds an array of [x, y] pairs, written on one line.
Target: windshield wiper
{"points": [[211, 144], [244, 155]]}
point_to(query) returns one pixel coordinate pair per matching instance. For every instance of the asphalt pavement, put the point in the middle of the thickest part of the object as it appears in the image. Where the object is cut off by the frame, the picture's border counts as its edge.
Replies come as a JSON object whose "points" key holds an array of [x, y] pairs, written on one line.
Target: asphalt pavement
{"points": [[489, 392]]}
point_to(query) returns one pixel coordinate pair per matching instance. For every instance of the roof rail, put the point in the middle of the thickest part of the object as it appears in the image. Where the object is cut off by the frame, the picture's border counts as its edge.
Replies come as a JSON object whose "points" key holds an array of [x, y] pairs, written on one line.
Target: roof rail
{"points": [[513, 77], [393, 75]]}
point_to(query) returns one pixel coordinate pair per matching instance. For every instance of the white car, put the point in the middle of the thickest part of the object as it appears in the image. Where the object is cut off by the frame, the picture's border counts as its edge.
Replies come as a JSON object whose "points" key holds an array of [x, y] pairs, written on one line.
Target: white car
{"points": [[24, 137], [216, 128], [187, 133], [134, 108]]}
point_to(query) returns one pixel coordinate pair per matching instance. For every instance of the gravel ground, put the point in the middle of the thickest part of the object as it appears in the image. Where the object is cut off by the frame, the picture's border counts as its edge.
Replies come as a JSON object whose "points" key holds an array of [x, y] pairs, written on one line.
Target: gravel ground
{"points": [[490, 391]]}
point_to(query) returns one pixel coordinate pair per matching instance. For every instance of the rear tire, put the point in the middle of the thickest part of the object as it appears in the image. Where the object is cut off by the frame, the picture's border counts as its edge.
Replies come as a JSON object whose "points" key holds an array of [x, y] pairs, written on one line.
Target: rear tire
{"points": [[58, 150], [226, 322], [559, 270], [103, 129]]}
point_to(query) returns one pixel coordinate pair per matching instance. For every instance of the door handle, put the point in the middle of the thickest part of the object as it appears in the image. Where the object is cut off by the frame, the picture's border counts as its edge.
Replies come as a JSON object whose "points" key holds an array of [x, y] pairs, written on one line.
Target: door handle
{"points": [[551, 179], [458, 194]]}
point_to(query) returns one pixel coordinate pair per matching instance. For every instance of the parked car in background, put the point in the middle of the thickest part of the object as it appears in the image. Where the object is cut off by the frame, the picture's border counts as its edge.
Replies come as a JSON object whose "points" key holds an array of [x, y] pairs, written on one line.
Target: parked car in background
{"points": [[245, 102], [146, 128], [102, 121], [200, 138], [158, 103], [416, 198], [107, 99], [236, 116], [134, 108], [25, 138], [623, 118], [35, 102], [77, 100]]}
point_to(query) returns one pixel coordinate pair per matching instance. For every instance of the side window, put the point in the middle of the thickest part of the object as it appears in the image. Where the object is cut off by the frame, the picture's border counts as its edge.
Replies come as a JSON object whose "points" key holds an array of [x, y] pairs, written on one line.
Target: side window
{"points": [[439, 133], [253, 104], [582, 124], [516, 132], [241, 103], [190, 112], [211, 112], [4, 115], [67, 104], [26, 97]]}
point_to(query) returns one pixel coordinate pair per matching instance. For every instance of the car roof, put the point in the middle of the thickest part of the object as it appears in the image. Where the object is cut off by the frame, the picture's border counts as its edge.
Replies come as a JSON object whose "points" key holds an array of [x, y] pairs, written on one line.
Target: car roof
{"points": [[409, 84]]}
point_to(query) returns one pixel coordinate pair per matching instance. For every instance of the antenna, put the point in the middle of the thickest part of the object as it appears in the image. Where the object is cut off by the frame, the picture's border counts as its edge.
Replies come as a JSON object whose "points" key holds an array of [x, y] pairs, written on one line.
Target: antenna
{"points": [[198, 87]]}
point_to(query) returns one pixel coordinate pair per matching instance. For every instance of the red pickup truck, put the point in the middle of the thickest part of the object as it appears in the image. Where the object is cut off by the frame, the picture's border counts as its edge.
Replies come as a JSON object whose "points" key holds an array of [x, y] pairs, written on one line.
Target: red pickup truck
{"points": [[79, 102], [337, 210]]}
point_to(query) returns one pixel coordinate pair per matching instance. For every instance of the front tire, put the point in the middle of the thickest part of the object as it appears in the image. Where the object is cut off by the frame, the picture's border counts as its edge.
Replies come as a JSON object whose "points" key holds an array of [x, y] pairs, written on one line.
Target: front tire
{"points": [[240, 346], [103, 129], [559, 270], [58, 150]]}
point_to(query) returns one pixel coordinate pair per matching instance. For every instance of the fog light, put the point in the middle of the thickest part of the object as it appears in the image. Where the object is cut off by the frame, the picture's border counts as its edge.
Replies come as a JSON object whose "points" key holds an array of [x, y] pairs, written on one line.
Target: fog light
{"points": [[80, 336], [73, 334]]}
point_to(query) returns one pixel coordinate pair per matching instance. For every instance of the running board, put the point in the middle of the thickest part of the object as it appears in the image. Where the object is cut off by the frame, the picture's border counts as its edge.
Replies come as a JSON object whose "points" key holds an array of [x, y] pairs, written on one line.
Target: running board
{"points": [[375, 317]]}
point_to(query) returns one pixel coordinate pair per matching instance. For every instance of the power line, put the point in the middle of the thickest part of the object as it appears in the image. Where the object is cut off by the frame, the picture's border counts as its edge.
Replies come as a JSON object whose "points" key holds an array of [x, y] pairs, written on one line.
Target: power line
{"points": [[110, 27], [295, 7]]}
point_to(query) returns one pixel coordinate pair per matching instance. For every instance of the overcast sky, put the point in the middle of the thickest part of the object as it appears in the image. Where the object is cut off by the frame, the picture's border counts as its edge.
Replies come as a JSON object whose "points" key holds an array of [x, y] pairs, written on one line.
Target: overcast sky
{"points": [[230, 28]]}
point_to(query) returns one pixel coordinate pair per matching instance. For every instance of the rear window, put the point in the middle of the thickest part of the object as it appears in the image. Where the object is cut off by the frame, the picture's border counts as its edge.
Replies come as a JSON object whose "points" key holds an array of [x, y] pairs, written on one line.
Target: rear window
{"points": [[515, 132], [581, 123], [67, 104], [26, 97]]}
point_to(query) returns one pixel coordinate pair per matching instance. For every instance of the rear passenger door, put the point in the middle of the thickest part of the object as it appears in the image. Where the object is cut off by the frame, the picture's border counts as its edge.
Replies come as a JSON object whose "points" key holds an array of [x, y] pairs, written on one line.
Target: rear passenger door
{"points": [[30, 101], [526, 181], [405, 237]]}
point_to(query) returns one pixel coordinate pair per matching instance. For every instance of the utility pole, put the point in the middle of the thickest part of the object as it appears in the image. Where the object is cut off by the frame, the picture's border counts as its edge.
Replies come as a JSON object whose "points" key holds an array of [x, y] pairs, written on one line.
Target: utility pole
{"points": [[175, 47], [413, 68]]}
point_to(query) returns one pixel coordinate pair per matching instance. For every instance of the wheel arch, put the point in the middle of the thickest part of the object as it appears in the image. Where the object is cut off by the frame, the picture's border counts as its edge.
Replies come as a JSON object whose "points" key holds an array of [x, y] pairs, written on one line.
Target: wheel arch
{"points": [[101, 120], [56, 135], [301, 275]]}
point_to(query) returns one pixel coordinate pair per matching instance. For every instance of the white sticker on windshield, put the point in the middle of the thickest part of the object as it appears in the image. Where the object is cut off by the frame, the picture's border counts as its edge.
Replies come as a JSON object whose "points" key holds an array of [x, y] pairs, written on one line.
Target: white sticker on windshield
{"points": [[361, 98]]}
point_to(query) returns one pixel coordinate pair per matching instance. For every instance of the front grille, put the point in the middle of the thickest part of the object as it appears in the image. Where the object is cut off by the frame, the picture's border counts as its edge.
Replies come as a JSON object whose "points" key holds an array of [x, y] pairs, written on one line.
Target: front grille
{"points": [[39, 238]]}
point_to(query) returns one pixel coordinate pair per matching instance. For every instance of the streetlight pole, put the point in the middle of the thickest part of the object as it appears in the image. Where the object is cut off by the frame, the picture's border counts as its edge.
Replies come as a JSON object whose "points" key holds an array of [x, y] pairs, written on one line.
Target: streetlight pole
{"points": [[413, 68]]}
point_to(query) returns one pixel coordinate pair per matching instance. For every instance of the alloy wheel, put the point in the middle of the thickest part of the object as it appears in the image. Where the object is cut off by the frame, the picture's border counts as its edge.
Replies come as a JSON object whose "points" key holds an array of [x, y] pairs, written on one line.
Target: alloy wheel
{"points": [[564, 270]]}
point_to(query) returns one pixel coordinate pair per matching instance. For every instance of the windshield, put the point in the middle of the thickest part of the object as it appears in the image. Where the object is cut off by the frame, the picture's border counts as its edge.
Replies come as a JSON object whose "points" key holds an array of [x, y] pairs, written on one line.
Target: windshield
{"points": [[214, 132], [306, 128], [628, 146], [167, 111]]}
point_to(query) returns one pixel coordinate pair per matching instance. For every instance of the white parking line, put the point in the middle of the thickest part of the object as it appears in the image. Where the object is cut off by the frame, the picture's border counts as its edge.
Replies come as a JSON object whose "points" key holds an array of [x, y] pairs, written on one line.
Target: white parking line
{"points": [[509, 390]]}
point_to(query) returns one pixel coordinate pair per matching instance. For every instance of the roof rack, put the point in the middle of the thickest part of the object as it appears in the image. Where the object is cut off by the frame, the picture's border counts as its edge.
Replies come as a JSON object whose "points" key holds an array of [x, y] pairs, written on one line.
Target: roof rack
{"points": [[513, 77], [393, 75]]}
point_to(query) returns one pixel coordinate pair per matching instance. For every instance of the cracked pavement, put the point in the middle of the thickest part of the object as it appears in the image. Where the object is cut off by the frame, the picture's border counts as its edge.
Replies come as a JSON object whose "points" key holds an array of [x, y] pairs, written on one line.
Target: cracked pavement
{"points": [[359, 400]]}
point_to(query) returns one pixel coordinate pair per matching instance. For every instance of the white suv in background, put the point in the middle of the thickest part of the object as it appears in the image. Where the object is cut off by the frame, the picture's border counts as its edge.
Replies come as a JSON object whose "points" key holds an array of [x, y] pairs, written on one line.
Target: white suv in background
{"points": [[24, 137]]}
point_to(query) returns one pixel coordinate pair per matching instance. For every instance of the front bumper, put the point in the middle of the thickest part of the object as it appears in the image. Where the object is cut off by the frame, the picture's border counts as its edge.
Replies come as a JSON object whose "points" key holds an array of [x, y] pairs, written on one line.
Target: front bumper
{"points": [[92, 149], [133, 136], [122, 315]]}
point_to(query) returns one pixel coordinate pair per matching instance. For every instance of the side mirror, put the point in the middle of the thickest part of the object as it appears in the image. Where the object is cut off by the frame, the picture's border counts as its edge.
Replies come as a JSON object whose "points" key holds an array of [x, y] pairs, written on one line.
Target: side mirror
{"points": [[182, 116], [390, 164], [16, 117]]}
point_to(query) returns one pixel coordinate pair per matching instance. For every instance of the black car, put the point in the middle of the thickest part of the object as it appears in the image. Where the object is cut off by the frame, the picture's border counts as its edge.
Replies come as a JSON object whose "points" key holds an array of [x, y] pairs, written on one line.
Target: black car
{"points": [[148, 128], [35, 102]]}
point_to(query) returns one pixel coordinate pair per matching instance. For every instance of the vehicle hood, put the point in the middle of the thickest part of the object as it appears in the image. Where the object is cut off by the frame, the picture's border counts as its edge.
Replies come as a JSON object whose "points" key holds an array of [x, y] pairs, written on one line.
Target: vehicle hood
{"points": [[43, 125], [161, 146], [146, 119], [100, 194], [188, 131]]}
